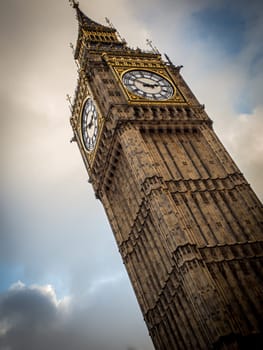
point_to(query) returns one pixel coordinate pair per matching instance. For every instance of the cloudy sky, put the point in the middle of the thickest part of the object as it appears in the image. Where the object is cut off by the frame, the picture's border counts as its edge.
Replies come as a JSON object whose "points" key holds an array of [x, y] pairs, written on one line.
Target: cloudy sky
{"points": [[62, 282]]}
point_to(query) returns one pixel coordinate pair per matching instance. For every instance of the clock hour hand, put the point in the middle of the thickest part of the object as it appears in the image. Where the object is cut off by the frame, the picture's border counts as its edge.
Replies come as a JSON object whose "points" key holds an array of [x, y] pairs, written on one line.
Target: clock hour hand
{"points": [[150, 85], [90, 123]]}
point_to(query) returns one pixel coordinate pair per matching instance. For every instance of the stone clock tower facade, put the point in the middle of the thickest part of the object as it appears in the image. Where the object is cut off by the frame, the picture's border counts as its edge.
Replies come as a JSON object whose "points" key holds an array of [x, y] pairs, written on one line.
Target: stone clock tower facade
{"points": [[187, 224]]}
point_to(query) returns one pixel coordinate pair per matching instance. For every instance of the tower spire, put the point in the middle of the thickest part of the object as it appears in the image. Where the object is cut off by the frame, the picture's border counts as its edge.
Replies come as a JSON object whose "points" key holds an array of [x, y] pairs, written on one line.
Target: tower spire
{"points": [[91, 32], [74, 4], [86, 22]]}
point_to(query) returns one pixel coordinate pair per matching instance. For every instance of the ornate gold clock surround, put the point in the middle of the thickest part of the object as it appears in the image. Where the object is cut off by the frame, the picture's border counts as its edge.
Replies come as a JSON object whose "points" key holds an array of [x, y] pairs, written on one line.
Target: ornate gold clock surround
{"points": [[125, 63], [90, 154]]}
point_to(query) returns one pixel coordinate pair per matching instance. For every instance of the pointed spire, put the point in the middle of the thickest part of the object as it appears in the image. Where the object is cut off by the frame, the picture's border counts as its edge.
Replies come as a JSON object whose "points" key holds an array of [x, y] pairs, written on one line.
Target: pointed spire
{"points": [[91, 32], [87, 23], [74, 4]]}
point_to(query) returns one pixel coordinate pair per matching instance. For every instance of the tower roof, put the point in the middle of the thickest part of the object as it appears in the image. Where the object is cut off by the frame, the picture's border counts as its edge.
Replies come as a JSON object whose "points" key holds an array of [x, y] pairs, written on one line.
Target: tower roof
{"points": [[88, 24]]}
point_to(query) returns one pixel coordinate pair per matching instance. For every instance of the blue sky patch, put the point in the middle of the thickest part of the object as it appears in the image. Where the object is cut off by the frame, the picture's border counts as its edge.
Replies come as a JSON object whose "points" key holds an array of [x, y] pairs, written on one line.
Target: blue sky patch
{"points": [[243, 103], [223, 25], [10, 274], [243, 106]]}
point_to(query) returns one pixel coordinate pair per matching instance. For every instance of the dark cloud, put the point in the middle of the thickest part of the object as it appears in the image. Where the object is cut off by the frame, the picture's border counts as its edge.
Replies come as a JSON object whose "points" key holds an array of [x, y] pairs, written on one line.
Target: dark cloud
{"points": [[32, 318], [26, 316], [24, 307]]}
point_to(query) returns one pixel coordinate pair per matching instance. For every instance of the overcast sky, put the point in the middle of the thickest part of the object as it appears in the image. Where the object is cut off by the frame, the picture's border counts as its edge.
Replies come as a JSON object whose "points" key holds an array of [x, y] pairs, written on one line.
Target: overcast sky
{"points": [[62, 283]]}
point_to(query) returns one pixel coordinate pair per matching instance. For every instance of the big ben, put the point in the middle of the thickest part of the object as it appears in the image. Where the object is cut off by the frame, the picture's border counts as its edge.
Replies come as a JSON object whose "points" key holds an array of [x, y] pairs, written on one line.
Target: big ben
{"points": [[187, 224]]}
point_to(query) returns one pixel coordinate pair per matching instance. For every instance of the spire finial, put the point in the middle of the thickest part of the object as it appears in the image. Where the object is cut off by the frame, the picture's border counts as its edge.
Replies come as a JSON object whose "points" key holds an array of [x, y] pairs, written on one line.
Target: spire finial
{"points": [[74, 4], [154, 48], [109, 23], [68, 98]]}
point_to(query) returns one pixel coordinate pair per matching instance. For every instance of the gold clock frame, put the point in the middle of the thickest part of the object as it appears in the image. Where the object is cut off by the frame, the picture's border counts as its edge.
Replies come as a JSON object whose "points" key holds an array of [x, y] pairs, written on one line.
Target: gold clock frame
{"points": [[123, 64], [134, 97], [90, 154]]}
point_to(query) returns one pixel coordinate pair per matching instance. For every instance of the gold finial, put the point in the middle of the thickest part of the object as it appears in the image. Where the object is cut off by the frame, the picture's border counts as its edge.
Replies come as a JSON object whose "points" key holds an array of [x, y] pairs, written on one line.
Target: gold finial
{"points": [[150, 43], [68, 98], [109, 23], [168, 59], [74, 4], [73, 52], [73, 139]]}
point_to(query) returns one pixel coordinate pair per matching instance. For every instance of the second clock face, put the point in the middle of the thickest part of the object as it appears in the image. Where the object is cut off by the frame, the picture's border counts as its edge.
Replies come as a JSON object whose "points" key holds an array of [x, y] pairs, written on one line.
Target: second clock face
{"points": [[89, 124], [148, 85]]}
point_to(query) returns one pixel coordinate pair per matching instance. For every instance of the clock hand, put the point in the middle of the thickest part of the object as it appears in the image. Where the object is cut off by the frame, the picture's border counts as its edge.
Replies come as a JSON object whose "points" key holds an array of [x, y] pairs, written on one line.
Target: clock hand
{"points": [[91, 122], [150, 85]]}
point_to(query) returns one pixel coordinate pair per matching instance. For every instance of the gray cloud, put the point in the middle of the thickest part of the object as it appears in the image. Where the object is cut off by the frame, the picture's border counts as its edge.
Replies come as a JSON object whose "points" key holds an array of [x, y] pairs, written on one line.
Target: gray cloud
{"points": [[33, 318], [26, 315]]}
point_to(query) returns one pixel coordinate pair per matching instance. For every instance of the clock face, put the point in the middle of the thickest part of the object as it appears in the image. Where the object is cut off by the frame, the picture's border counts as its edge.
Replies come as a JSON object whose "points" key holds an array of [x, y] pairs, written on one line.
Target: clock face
{"points": [[148, 85], [89, 124]]}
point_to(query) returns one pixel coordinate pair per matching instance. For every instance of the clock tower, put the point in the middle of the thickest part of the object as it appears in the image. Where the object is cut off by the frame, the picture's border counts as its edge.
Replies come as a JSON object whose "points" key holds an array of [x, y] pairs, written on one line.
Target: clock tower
{"points": [[187, 224]]}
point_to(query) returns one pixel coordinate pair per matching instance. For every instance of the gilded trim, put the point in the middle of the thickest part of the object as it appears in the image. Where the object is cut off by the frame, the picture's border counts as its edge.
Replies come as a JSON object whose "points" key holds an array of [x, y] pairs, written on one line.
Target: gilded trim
{"points": [[122, 64], [90, 154]]}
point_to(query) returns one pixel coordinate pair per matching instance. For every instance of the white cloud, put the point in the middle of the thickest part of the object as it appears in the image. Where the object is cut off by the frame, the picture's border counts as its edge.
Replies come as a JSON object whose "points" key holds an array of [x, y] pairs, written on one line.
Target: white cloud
{"points": [[245, 142], [17, 286], [48, 292], [102, 282]]}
